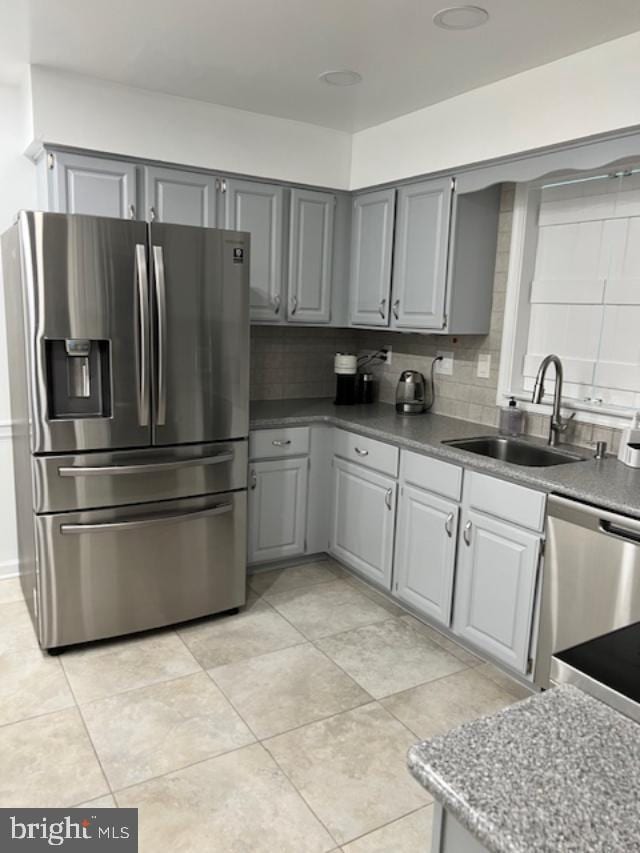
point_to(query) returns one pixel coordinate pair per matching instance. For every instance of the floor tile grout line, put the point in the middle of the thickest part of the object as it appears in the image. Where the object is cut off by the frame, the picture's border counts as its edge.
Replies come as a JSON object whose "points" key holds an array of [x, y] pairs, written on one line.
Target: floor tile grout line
{"points": [[88, 733], [388, 823], [232, 704]]}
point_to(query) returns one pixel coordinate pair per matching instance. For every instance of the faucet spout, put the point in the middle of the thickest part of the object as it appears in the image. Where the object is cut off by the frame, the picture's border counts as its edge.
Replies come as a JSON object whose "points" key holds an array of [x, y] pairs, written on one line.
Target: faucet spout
{"points": [[557, 424]]}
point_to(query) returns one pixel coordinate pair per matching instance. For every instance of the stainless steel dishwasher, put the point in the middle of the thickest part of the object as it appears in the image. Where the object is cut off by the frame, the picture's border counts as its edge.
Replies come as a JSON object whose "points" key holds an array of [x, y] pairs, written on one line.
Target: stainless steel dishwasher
{"points": [[591, 579]]}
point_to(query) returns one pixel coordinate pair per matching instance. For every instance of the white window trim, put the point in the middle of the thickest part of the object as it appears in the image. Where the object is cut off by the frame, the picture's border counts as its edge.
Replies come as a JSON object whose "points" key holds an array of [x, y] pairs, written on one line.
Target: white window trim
{"points": [[519, 275]]}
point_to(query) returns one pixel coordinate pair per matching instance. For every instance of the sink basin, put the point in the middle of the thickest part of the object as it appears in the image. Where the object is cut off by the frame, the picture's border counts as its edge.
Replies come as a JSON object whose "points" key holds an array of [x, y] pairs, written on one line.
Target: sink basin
{"points": [[515, 450]]}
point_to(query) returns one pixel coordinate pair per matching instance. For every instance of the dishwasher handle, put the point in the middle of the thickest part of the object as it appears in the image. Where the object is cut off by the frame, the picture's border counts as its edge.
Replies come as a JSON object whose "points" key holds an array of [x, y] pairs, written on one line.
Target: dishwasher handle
{"points": [[620, 531]]}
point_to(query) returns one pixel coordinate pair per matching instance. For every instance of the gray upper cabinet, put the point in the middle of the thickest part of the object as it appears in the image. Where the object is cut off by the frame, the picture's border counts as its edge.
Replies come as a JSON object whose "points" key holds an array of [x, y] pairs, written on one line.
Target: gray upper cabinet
{"points": [[420, 255], [91, 185], [258, 208], [180, 197], [495, 587], [310, 256], [371, 253]]}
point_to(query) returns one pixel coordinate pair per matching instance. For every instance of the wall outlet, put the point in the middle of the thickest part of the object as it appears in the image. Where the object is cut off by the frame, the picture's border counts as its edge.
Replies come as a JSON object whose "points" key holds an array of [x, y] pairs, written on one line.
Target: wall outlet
{"points": [[389, 352], [483, 370], [445, 367]]}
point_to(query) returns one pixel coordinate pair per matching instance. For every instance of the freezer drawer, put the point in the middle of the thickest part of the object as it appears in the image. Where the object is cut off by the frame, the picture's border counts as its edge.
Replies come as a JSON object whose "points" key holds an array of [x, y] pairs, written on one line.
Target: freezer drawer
{"points": [[111, 572], [93, 480]]}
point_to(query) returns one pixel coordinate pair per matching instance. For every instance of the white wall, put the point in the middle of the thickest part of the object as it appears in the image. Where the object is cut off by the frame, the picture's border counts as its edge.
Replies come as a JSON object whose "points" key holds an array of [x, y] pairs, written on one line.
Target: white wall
{"points": [[69, 109], [17, 189], [595, 91]]}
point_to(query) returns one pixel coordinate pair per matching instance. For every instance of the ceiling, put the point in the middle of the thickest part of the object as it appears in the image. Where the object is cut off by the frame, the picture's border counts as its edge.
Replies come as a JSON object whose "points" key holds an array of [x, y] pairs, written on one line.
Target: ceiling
{"points": [[266, 55]]}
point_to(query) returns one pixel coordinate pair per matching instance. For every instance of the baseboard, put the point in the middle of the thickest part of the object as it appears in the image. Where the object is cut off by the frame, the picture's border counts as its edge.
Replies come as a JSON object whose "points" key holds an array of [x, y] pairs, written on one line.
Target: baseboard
{"points": [[9, 569], [256, 568]]}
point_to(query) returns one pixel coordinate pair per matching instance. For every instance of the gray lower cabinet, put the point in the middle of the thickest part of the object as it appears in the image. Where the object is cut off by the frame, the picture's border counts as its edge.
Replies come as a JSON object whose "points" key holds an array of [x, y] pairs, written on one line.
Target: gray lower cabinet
{"points": [[363, 520], [420, 255], [449, 836], [425, 555], [277, 509], [258, 208], [495, 587], [93, 186], [180, 197], [371, 252], [310, 256]]}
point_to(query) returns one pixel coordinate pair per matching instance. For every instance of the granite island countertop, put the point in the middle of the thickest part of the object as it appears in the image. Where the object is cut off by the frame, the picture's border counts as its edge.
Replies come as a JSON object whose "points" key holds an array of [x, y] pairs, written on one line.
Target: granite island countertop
{"points": [[557, 772], [605, 482]]}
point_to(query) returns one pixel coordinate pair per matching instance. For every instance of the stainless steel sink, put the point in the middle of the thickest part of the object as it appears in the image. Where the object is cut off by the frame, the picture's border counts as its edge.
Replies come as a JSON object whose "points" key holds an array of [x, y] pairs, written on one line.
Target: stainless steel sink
{"points": [[515, 450]]}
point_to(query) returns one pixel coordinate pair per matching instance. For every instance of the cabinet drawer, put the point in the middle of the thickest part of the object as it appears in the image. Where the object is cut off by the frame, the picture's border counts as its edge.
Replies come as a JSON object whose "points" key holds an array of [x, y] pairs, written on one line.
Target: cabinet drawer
{"points": [[274, 443], [367, 451], [507, 501], [431, 474]]}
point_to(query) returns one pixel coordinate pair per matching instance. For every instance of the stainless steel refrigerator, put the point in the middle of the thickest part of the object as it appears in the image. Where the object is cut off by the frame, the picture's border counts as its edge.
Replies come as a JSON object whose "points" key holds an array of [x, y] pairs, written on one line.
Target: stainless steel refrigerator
{"points": [[129, 378]]}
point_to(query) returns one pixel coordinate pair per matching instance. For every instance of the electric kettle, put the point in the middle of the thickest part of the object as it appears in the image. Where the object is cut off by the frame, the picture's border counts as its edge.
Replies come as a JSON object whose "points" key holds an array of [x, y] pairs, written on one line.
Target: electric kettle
{"points": [[411, 393]]}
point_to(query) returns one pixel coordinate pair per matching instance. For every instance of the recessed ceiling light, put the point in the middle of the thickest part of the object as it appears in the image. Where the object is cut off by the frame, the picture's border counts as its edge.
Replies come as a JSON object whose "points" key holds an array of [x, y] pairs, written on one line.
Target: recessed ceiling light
{"points": [[461, 17], [344, 77]]}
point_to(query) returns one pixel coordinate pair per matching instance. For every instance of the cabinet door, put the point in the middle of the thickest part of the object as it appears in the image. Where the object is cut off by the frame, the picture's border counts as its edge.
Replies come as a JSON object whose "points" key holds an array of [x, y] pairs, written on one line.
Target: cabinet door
{"points": [[277, 509], [310, 253], [183, 198], [371, 247], [94, 186], [426, 552], [257, 208], [495, 587], [420, 255], [363, 520]]}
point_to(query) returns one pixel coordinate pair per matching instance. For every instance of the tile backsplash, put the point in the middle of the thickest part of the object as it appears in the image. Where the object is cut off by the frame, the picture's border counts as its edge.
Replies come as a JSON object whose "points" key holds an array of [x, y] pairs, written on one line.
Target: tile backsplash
{"points": [[298, 362]]}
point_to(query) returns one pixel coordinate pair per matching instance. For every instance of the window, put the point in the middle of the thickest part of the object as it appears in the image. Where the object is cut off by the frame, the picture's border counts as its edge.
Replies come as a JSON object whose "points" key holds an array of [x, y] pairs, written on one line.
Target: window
{"points": [[574, 290]]}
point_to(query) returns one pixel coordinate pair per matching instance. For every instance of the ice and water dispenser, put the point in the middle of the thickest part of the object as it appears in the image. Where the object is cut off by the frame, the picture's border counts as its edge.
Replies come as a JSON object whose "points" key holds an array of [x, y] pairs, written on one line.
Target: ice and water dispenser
{"points": [[78, 378]]}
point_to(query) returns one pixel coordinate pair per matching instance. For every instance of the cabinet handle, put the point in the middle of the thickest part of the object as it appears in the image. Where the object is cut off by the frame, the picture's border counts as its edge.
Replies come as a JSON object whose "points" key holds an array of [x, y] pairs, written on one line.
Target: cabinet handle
{"points": [[448, 525], [152, 214], [253, 481], [361, 452], [294, 304], [132, 211], [276, 304], [281, 442], [387, 497], [396, 306], [467, 533], [382, 307]]}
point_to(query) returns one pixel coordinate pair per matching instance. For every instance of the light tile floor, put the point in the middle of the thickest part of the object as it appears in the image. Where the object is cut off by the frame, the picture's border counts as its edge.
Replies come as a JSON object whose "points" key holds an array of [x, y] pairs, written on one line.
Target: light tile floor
{"points": [[284, 728]]}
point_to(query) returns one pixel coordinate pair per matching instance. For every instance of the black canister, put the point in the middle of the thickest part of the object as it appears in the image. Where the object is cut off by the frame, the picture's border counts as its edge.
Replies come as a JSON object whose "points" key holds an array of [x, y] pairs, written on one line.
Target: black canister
{"points": [[345, 368], [365, 388]]}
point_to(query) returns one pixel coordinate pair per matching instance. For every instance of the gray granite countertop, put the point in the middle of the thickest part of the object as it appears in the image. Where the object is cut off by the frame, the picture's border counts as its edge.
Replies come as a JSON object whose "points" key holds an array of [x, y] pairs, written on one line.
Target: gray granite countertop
{"points": [[556, 773], [605, 482]]}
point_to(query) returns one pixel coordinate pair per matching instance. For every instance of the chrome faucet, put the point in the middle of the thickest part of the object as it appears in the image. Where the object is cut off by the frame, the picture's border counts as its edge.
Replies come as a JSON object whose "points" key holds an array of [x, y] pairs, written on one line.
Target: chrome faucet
{"points": [[557, 424]]}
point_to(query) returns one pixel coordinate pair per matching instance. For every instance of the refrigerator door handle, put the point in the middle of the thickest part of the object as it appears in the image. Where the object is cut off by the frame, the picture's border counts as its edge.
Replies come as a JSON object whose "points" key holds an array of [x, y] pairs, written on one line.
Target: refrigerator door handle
{"points": [[142, 280], [161, 303], [111, 526], [146, 468]]}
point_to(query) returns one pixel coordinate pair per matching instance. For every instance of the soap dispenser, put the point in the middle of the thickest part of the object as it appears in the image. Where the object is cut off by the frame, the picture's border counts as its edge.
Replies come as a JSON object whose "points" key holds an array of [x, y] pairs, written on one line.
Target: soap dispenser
{"points": [[629, 452], [511, 418]]}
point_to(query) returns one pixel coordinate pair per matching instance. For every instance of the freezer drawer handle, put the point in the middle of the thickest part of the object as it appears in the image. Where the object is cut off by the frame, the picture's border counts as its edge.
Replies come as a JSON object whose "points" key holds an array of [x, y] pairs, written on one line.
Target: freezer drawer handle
{"points": [[147, 468], [108, 526], [143, 319], [161, 305]]}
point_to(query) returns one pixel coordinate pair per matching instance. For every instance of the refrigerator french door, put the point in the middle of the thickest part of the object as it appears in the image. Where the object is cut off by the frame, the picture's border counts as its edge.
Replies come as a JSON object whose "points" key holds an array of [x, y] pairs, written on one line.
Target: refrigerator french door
{"points": [[132, 340]]}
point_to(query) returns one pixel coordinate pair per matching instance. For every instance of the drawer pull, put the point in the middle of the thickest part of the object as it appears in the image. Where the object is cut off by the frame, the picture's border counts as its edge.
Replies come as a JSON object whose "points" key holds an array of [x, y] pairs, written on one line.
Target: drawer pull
{"points": [[467, 533], [281, 442], [361, 452], [135, 524], [145, 467], [387, 498], [448, 525]]}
